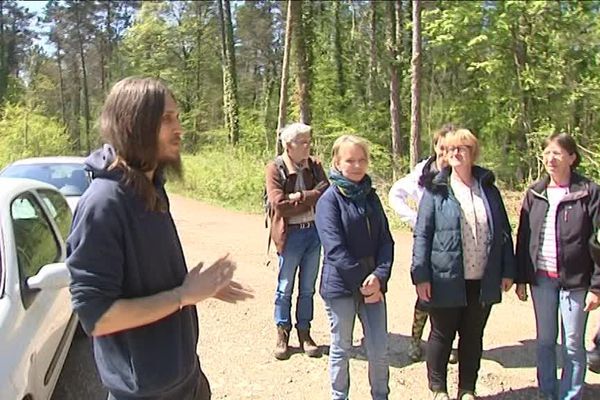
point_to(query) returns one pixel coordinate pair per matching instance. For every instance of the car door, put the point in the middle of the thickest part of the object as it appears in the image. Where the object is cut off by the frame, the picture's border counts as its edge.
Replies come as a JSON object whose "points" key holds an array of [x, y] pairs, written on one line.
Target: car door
{"points": [[46, 316]]}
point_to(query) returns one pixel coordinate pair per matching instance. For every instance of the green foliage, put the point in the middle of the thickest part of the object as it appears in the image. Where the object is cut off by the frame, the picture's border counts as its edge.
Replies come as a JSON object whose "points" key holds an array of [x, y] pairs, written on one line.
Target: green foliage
{"points": [[511, 71], [514, 72], [27, 133], [232, 178]]}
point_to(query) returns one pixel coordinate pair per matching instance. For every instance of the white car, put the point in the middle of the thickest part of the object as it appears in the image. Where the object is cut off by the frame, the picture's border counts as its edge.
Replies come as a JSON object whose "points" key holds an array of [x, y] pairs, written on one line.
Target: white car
{"points": [[37, 322], [67, 174]]}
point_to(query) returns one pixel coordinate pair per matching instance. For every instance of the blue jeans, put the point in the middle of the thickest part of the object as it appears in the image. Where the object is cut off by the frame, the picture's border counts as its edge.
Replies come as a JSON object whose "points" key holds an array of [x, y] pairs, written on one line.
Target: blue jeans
{"points": [[302, 251], [549, 301], [342, 312]]}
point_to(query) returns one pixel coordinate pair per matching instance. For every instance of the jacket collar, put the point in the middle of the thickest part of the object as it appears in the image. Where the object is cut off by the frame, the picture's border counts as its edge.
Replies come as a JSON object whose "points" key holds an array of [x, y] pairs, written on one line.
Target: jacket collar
{"points": [[428, 172], [578, 187], [441, 181], [291, 166]]}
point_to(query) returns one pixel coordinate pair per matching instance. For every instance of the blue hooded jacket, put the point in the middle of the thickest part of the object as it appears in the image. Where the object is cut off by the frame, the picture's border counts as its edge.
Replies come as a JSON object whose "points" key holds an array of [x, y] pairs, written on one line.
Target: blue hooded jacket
{"points": [[118, 249]]}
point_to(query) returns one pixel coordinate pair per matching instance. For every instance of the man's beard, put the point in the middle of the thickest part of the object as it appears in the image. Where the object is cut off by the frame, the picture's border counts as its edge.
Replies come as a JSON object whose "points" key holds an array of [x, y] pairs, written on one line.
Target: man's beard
{"points": [[172, 168]]}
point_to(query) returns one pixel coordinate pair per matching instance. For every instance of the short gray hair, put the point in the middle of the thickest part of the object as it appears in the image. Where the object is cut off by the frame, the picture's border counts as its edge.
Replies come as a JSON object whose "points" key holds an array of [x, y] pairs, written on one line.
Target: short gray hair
{"points": [[289, 132]]}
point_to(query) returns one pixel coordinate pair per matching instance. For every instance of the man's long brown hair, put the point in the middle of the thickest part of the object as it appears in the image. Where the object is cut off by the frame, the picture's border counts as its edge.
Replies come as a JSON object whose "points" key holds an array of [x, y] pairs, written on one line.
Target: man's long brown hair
{"points": [[130, 122]]}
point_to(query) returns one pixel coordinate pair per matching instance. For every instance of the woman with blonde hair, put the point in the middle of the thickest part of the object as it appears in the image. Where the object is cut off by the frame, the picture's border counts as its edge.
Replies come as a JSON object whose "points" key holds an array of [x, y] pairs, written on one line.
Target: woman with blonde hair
{"points": [[358, 255], [462, 260]]}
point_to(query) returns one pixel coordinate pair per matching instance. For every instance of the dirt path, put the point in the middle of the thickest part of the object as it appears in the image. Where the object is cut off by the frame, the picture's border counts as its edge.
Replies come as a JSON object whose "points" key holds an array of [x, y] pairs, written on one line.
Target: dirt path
{"points": [[236, 340]]}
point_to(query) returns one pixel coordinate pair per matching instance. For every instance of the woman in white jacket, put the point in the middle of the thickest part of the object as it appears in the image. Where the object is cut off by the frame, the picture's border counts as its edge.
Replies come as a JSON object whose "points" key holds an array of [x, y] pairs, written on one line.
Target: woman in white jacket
{"points": [[404, 197]]}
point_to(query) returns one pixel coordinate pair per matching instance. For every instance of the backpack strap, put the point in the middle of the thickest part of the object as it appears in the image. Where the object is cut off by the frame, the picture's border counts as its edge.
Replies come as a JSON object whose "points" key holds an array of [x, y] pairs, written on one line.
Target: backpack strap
{"points": [[283, 175], [313, 170], [283, 171]]}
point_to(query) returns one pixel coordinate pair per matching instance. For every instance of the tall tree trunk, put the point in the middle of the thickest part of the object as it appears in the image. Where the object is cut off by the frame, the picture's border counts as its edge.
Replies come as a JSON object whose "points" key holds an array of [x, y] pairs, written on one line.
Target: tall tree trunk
{"points": [[3, 59], [108, 47], [302, 83], [224, 65], [308, 17], [523, 123], [229, 75], [200, 11], [234, 118], [283, 93], [86, 95], [86, 98], [337, 51], [372, 53], [394, 85], [415, 119], [61, 82], [75, 127], [267, 93]]}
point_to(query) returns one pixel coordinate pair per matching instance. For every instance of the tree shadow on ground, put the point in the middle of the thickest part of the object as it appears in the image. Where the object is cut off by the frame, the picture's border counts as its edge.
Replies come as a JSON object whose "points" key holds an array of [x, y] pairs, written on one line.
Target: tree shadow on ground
{"points": [[397, 344], [528, 393], [515, 356]]}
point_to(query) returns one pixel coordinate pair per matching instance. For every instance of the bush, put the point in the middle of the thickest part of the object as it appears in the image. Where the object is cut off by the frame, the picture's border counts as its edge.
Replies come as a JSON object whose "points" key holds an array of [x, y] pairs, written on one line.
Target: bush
{"points": [[26, 133], [230, 177]]}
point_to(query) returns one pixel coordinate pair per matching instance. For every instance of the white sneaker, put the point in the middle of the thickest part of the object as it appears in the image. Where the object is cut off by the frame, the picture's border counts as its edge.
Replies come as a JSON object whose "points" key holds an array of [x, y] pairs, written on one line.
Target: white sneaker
{"points": [[466, 395]]}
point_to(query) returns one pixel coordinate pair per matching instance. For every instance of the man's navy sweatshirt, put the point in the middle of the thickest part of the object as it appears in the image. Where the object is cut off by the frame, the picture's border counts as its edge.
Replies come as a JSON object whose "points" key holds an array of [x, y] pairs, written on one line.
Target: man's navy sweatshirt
{"points": [[118, 249]]}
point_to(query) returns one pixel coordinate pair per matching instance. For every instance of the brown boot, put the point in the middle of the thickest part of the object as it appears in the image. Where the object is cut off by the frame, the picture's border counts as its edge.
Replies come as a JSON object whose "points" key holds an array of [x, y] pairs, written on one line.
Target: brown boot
{"points": [[282, 351], [307, 344]]}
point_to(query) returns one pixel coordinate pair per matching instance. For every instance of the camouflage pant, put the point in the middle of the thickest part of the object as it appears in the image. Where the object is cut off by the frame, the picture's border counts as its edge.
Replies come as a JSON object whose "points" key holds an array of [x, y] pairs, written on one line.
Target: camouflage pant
{"points": [[419, 320]]}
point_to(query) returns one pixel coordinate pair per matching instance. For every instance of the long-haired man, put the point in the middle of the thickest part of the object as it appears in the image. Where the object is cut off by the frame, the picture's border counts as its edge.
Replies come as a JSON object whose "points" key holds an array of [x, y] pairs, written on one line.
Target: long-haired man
{"points": [[130, 285]]}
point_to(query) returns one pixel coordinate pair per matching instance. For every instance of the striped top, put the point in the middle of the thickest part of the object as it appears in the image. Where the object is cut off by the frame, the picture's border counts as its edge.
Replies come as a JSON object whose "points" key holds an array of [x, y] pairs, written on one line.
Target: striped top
{"points": [[547, 254]]}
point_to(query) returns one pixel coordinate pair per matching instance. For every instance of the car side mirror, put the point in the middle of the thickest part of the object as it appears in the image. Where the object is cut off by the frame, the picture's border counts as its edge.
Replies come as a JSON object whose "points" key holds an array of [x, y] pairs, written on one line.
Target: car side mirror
{"points": [[51, 276]]}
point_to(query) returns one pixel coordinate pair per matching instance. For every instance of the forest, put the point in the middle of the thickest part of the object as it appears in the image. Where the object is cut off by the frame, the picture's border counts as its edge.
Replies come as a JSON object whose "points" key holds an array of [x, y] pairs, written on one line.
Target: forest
{"points": [[392, 71]]}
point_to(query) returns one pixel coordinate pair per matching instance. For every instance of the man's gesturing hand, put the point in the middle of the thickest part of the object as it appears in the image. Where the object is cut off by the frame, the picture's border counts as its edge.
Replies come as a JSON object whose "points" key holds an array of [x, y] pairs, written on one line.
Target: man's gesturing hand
{"points": [[201, 283]]}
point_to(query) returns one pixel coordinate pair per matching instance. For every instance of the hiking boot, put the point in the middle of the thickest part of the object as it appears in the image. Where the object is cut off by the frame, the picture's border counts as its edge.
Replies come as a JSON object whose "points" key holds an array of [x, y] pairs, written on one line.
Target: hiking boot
{"points": [[593, 360], [466, 395], [414, 350], [453, 357], [440, 396], [282, 351], [307, 344]]}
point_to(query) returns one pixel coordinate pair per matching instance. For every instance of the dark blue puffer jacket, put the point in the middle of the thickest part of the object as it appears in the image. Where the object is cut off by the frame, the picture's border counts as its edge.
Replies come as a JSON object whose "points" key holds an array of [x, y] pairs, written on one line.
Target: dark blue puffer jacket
{"points": [[437, 248], [347, 240]]}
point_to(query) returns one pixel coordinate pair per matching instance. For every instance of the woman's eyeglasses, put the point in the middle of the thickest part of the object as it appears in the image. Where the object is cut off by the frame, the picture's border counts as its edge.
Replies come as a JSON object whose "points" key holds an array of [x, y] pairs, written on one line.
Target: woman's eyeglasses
{"points": [[462, 149]]}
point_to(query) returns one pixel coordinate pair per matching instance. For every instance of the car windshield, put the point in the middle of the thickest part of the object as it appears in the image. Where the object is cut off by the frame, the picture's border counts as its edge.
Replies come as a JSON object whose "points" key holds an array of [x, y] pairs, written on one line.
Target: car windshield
{"points": [[71, 179]]}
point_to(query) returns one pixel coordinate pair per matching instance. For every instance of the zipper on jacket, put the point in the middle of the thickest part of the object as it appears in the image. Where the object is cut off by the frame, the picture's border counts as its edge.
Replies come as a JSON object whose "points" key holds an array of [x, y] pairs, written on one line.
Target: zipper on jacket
{"points": [[556, 231], [557, 241], [570, 197]]}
